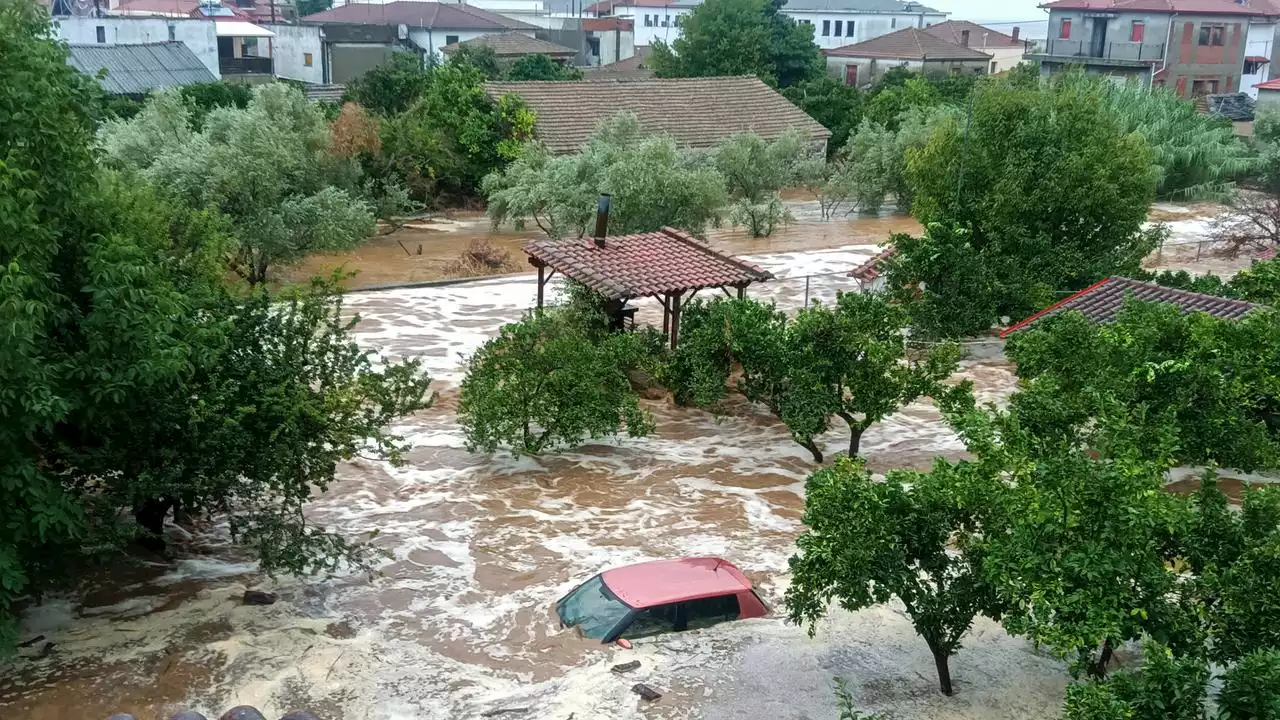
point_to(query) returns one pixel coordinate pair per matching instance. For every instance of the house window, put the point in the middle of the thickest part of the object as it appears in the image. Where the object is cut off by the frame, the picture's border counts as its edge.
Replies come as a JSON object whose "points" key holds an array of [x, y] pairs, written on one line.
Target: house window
{"points": [[1137, 31], [1064, 30], [1214, 35], [993, 67], [806, 22], [893, 23], [306, 59], [839, 28], [102, 34], [826, 28], [679, 21], [1252, 67], [665, 20], [648, 20], [848, 29], [173, 33], [450, 39]]}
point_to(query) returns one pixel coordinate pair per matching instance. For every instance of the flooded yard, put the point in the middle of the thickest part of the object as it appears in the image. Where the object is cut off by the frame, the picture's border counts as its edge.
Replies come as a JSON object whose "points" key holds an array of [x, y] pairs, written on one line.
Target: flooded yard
{"points": [[459, 624]]}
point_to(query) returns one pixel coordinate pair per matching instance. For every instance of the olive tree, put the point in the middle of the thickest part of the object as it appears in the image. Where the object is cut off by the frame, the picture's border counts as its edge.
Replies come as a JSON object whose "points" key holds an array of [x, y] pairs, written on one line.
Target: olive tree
{"points": [[755, 171], [653, 183], [266, 167], [868, 542]]}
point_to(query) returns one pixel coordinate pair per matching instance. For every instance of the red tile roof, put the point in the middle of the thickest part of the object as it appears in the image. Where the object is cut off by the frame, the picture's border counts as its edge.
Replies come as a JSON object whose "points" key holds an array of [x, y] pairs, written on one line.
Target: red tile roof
{"points": [[1257, 59], [1101, 302], [870, 270], [666, 581], [446, 16], [979, 37], [513, 44], [653, 263], [1201, 7], [1269, 85], [908, 44]]}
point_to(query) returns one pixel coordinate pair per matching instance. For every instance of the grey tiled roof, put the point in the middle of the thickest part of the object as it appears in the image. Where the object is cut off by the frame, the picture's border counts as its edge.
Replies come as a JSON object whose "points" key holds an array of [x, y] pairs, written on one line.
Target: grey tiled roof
{"points": [[696, 112], [139, 69], [1102, 301], [1236, 107]]}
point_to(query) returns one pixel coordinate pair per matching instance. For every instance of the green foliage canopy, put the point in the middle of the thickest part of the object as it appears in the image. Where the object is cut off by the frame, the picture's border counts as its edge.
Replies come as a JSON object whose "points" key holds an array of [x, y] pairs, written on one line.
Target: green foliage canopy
{"points": [[741, 37]]}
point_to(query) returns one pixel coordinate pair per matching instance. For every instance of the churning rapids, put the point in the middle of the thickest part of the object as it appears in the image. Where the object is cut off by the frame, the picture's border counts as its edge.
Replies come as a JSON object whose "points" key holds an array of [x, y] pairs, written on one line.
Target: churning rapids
{"points": [[458, 624]]}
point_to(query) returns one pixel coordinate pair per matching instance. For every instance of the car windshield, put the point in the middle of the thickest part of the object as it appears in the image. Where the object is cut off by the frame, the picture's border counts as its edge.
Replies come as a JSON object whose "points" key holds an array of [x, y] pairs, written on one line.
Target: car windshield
{"points": [[592, 608]]}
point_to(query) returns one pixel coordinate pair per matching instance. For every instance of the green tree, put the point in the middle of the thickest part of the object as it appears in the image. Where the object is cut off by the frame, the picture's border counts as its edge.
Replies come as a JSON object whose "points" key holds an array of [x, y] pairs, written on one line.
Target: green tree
{"points": [[1197, 156], [1251, 688], [741, 37], [203, 98], [553, 379], [311, 7], [1167, 687], [755, 172], [392, 87], [135, 380], [1077, 541], [653, 184], [478, 56], [848, 360], [541, 67], [837, 106], [938, 278], [868, 542], [1208, 384], [267, 168], [1052, 191]]}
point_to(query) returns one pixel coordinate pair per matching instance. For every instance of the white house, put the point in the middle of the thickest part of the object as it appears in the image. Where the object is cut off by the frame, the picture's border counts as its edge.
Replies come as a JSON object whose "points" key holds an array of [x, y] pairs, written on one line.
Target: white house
{"points": [[231, 48], [837, 23], [424, 26], [1259, 49]]}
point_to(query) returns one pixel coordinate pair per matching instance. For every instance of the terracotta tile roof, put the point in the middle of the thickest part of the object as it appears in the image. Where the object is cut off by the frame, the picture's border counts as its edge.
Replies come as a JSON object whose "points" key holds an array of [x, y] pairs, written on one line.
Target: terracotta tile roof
{"points": [[870, 270], [979, 37], [1202, 7], [417, 14], [653, 263], [636, 66], [696, 112], [509, 44], [1269, 85], [1101, 302], [908, 44], [1257, 59]]}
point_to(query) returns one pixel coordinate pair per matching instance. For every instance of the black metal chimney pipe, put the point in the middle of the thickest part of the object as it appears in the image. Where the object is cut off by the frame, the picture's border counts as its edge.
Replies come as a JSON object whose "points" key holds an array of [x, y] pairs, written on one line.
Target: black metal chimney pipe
{"points": [[602, 219]]}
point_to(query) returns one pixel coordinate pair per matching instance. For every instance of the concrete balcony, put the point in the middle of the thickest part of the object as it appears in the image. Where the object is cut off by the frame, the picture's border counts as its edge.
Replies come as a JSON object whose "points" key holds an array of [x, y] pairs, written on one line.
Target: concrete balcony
{"points": [[1085, 52]]}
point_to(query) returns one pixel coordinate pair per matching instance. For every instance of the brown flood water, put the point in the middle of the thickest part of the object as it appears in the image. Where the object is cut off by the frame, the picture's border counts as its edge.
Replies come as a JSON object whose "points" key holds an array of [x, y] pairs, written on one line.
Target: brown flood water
{"points": [[458, 622]]}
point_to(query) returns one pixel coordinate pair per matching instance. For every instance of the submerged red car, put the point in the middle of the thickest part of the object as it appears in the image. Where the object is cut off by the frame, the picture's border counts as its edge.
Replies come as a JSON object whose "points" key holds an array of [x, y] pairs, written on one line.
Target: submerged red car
{"points": [[657, 597]]}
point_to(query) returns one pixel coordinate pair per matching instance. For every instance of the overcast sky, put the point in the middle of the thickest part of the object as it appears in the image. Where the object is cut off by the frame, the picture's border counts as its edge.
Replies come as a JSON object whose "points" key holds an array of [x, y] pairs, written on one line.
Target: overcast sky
{"points": [[991, 10]]}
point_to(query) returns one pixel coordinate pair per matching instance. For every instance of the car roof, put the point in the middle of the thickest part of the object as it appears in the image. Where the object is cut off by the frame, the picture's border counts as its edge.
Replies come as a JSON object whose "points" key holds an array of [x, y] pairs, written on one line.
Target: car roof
{"points": [[666, 581]]}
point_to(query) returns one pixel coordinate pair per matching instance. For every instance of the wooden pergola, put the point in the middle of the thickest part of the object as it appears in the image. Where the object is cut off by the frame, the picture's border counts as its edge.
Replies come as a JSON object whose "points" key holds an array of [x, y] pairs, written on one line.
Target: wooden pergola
{"points": [[670, 265]]}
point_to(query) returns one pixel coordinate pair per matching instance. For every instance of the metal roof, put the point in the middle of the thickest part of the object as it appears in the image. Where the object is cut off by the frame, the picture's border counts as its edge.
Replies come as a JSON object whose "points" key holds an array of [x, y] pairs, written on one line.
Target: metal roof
{"points": [[139, 69]]}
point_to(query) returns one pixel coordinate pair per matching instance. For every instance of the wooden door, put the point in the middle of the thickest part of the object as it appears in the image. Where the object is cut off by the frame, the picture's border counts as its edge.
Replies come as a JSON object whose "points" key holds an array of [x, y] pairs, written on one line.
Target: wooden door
{"points": [[851, 75]]}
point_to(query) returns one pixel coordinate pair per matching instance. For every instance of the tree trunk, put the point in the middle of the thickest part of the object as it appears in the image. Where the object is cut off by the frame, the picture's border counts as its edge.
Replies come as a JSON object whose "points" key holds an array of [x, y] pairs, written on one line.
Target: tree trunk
{"points": [[1099, 668], [940, 661], [855, 439], [812, 447]]}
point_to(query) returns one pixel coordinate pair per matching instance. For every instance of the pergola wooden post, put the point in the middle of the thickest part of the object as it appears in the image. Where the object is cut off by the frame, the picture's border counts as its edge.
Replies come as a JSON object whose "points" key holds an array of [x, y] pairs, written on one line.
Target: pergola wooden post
{"points": [[543, 277], [671, 317]]}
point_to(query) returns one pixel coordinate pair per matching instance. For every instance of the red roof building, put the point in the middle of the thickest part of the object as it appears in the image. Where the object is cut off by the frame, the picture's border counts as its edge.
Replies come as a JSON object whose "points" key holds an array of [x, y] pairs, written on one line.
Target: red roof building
{"points": [[871, 270], [669, 264], [1103, 300], [1181, 7]]}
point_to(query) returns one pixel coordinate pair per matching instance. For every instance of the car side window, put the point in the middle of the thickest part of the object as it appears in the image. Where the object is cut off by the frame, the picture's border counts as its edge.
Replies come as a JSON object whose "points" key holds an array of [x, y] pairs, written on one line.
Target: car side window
{"points": [[709, 611], [654, 621]]}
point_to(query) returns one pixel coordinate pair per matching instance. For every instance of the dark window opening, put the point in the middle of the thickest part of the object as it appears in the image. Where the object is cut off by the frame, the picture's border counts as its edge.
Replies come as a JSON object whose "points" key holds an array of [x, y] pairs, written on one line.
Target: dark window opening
{"points": [[826, 28], [450, 39], [102, 34], [839, 28], [848, 29], [1213, 35]]}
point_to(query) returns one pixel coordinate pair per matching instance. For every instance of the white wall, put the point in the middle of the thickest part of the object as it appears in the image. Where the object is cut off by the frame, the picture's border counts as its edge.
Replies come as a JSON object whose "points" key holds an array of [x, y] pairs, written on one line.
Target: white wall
{"points": [[289, 49], [868, 70], [433, 40], [865, 25], [1002, 58], [198, 35], [1259, 42], [647, 34], [622, 41]]}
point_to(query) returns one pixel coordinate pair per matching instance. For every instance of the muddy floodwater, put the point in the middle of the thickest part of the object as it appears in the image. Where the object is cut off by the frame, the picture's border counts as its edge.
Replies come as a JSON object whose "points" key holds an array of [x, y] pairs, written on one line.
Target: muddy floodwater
{"points": [[458, 622]]}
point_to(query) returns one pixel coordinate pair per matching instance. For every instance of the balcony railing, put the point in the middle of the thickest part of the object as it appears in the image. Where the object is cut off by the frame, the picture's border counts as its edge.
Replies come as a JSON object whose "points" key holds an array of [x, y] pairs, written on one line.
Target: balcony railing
{"points": [[245, 65], [1122, 51]]}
